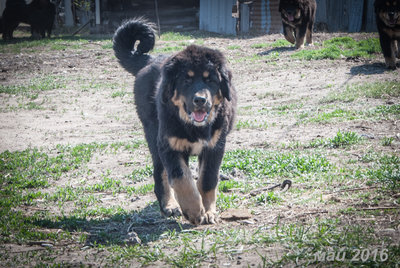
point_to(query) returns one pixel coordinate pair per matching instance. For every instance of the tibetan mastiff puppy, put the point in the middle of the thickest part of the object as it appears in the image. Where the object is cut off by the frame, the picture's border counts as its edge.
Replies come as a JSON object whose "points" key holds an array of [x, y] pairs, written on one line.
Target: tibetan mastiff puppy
{"points": [[388, 24], [186, 103], [298, 20]]}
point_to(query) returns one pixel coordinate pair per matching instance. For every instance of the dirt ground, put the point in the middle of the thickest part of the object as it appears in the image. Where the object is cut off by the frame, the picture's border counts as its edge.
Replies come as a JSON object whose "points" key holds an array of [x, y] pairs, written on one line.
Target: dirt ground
{"points": [[74, 116], [84, 111]]}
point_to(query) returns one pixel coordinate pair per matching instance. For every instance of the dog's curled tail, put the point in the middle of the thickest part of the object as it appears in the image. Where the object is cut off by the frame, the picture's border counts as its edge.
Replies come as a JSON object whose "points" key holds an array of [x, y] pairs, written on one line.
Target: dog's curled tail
{"points": [[124, 41]]}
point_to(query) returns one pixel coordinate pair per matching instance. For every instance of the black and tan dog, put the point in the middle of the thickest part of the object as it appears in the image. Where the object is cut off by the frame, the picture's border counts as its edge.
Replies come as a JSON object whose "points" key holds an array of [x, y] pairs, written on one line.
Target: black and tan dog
{"points": [[388, 23], [298, 20], [186, 103]]}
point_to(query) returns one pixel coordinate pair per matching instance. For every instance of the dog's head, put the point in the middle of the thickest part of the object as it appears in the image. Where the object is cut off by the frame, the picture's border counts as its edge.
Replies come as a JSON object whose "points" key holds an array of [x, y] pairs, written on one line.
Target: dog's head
{"points": [[196, 81], [388, 11], [290, 10]]}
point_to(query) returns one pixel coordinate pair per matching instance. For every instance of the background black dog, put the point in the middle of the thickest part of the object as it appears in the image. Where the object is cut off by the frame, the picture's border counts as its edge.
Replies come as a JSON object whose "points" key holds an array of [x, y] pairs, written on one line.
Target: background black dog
{"points": [[388, 23], [39, 14], [298, 20], [186, 103]]}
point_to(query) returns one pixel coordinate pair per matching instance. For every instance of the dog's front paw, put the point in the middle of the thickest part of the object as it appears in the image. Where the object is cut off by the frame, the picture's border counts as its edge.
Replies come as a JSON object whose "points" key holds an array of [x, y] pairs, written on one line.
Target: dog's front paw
{"points": [[189, 200], [171, 210], [195, 216], [210, 217]]}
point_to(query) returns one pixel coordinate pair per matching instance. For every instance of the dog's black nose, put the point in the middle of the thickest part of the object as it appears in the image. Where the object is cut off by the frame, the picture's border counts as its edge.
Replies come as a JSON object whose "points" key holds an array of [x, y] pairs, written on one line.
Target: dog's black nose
{"points": [[391, 14], [199, 100]]}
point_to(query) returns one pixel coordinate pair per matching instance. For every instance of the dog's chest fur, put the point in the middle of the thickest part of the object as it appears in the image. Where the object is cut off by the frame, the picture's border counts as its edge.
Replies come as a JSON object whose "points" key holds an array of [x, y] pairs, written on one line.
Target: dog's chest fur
{"points": [[196, 147]]}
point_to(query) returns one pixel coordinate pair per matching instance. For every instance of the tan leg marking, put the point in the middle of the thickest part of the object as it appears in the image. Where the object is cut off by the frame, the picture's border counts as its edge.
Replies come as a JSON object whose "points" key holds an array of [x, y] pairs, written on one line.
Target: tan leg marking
{"points": [[188, 196], [209, 199], [168, 203], [299, 40], [209, 203], [309, 38]]}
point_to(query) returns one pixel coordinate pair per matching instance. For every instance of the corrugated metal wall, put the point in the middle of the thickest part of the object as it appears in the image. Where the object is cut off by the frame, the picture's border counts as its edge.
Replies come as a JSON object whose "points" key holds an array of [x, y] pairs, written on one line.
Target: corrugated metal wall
{"points": [[346, 15], [265, 17], [216, 16]]}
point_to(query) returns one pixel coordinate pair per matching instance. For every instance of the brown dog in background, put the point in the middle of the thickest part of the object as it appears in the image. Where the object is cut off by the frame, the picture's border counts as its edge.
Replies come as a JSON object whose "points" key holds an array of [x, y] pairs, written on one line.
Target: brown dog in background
{"points": [[298, 20]]}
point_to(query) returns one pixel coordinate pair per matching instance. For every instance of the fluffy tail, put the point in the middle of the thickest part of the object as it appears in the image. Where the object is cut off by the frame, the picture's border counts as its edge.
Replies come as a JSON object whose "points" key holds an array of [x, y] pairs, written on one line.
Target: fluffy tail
{"points": [[124, 41]]}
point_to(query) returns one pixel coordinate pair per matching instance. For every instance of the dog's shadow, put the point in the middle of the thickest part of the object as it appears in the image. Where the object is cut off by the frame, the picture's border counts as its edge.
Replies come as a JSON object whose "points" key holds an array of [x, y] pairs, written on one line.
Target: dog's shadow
{"points": [[138, 227], [370, 68], [276, 50]]}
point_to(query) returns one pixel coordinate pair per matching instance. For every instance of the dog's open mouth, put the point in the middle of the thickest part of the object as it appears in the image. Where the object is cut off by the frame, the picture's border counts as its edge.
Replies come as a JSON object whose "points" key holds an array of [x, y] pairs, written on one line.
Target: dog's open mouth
{"points": [[199, 116], [290, 17], [392, 22]]}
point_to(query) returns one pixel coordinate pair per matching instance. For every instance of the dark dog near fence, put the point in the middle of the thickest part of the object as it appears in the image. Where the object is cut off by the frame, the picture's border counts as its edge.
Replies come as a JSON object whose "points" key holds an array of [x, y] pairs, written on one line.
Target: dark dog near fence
{"points": [[186, 103], [39, 14], [388, 24]]}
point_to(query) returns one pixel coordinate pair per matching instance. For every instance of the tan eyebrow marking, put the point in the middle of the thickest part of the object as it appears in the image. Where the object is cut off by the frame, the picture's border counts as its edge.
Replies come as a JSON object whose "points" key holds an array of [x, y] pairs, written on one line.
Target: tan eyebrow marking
{"points": [[206, 74], [190, 73]]}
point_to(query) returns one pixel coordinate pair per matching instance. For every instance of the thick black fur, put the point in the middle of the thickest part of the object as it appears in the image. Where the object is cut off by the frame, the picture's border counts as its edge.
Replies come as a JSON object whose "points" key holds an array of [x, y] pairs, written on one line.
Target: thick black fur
{"points": [[298, 18], [39, 14], [388, 23], [162, 80]]}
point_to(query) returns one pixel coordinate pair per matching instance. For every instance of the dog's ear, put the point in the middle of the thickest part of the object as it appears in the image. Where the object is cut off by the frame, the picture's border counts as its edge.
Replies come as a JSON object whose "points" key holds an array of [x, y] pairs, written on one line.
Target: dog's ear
{"points": [[168, 79], [226, 84]]}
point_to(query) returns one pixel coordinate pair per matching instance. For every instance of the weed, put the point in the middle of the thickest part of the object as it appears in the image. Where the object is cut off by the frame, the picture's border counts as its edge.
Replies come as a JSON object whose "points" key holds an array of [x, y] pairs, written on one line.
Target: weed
{"points": [[387, 141]]}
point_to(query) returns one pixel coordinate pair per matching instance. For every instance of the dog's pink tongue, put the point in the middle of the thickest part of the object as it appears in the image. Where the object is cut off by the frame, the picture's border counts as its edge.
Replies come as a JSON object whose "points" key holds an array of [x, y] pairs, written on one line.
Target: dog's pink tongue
{"points": [[199, 116], [290, 17]]}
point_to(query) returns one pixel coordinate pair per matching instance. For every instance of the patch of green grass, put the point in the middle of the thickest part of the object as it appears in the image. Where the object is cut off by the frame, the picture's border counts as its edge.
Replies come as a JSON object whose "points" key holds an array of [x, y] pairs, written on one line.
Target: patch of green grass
{"points": [[251, 124], [38, 84], [338, 47], [388, 109], [227, 186], [341, 140], [262, 163], [24, 173], [344, 139], [385, 172], [120, 94], [233, 47], [337, 114], [33, 46], [267, 198], [377, 90], [225, 201], [260, 45]]}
